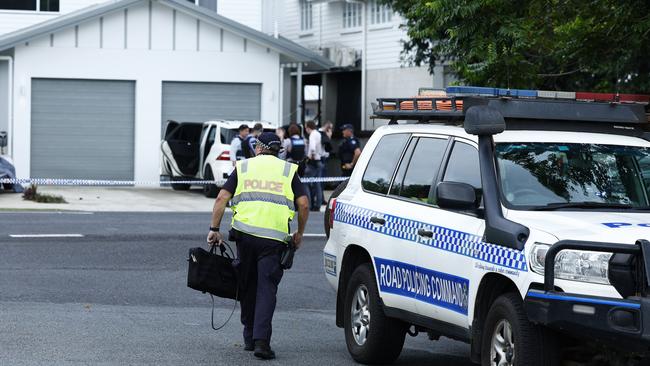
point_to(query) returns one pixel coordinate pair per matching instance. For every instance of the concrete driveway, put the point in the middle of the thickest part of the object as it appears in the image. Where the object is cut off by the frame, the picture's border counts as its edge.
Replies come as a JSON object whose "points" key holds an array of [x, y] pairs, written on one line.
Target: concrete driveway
{"points": [[116, 199], [113, 199]]}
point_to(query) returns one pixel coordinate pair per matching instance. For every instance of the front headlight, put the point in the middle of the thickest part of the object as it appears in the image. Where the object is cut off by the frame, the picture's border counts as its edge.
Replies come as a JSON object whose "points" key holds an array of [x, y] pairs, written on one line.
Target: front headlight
{"points": [[574, 265]]}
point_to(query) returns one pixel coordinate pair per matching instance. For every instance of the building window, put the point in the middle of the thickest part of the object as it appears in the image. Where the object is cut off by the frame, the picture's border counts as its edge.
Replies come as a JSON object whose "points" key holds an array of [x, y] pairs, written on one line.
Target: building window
{"points": [[352, 15], [379, 13], [305, 15], [31, 5], [18, 5], [49, 5]]}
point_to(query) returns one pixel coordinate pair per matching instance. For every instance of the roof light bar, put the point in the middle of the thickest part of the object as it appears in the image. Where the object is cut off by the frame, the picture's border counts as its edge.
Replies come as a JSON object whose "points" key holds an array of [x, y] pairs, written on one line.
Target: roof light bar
{"points": [[610, 97], [491, 92], [547, 94], [556, 94]]}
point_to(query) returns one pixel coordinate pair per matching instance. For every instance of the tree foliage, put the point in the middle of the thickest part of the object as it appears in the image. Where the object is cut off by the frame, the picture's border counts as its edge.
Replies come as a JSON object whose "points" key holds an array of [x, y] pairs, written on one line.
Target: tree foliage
{"points": [[599, 45]]}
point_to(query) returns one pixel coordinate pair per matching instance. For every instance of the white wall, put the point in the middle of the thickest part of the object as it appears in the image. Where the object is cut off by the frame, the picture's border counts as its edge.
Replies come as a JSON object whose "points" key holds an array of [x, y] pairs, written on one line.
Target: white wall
{"points": [[11, 20], [67, 6], [384, 45], [270, 16], [247, 12], [85, 55]]}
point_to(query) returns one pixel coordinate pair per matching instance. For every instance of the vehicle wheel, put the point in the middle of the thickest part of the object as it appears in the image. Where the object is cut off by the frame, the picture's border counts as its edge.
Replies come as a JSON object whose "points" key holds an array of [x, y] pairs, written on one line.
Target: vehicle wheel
{"points": [[335, 194], [209, 190], [509, 339], [371, 336], [179, 186]]}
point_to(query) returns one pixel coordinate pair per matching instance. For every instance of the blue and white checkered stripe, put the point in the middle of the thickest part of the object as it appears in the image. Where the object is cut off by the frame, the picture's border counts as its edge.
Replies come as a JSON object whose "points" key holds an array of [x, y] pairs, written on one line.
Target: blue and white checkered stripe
{"points": [[157, 183], [443, 238]]}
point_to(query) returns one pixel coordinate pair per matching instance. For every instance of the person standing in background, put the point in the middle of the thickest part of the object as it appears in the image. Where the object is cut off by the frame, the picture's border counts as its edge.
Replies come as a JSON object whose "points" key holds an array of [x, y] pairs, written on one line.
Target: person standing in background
{"points": [[314, 165], [283, 152], [326, 143], [295, 146], [349, 151], [248, 147], [236, 152]]}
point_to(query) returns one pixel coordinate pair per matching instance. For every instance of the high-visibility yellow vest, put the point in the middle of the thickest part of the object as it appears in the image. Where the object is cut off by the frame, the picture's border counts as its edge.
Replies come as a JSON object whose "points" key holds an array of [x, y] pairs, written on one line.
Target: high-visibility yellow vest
{"points": [[263, 201]]}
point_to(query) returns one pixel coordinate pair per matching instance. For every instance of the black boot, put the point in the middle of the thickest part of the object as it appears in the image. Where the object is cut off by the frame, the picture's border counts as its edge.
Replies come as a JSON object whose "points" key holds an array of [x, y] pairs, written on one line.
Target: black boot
{"points": [[249, 345], [263, 350]]}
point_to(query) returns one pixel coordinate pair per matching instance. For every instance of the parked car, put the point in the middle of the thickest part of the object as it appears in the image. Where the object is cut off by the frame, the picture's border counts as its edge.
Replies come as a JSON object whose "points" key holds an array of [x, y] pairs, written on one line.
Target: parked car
{"points": [[200, 151], [7, 171], [517, 225]]}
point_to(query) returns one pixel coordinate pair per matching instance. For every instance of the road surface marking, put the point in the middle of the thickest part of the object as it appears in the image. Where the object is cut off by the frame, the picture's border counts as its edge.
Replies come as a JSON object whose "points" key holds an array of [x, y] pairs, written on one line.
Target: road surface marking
{"points": [[46, 235], [28, 212], [307, 235]]}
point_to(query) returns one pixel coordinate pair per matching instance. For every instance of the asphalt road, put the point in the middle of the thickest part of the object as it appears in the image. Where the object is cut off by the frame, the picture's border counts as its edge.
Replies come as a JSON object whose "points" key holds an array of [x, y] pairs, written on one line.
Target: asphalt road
{"points": [[117, 295]]}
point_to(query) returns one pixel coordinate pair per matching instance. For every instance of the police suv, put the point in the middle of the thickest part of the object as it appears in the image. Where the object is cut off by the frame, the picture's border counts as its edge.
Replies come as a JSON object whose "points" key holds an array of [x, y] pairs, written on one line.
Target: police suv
{"points": [[513, 220]]}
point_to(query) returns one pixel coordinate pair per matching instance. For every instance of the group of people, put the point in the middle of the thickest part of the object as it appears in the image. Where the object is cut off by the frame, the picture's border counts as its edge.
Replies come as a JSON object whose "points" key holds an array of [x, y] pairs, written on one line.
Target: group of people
{"points": [[310, 151]]}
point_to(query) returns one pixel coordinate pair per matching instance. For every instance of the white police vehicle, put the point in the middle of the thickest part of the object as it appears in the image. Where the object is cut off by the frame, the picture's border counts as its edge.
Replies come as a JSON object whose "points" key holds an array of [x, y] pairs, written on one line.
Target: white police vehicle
{"points": [[512, 222], [200, 151]]}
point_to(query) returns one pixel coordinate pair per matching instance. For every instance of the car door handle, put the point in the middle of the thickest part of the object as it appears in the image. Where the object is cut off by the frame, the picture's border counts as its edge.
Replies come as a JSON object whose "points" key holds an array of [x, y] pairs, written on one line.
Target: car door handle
{"points": [[377, 220], [426, 233]]}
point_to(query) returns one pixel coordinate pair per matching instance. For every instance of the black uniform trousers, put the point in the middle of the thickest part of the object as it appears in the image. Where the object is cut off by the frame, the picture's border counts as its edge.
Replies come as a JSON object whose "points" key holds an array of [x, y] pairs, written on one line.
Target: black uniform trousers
{"points": [[260, 274]]}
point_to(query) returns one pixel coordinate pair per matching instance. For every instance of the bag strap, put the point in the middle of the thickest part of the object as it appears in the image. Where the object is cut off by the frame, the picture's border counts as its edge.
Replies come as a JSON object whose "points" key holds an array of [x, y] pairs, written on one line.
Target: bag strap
{"points": [[222, 248], [229, 316]]}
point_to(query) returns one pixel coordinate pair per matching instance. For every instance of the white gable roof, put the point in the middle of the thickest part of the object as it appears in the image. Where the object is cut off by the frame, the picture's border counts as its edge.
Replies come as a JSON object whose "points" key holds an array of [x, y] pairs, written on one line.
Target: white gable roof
{"points": [[288, 49]]}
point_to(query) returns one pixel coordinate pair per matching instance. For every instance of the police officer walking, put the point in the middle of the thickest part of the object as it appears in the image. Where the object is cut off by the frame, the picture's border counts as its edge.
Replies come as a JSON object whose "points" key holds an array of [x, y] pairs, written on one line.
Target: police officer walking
{"points": [[264, 192], [349, 151]]}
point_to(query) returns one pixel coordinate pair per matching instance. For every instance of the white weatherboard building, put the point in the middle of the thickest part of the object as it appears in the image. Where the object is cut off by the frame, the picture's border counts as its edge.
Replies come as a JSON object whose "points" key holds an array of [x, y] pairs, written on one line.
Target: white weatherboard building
{"points": [[85, 90], [363, 39]]}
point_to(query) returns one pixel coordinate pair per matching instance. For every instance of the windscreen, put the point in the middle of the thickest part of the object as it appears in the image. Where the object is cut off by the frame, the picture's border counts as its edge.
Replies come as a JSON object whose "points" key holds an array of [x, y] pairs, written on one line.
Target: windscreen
{"points": [[543, 175]]}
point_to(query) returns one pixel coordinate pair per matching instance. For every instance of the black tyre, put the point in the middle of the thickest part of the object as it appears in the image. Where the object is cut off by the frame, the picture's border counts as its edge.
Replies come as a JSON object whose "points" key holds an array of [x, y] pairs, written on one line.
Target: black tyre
{"points": [[335, 194], [371, 336], [180, 186], [509, 339], [209, 190]]}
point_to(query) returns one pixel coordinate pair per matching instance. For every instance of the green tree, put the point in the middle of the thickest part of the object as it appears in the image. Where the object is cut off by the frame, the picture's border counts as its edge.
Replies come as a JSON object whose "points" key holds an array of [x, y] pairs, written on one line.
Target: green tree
{"points": [[588, 45]]}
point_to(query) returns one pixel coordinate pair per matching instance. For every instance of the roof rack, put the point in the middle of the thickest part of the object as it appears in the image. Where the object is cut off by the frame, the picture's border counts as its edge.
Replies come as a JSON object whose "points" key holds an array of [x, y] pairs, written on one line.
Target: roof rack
{"points": [[515, 104]]}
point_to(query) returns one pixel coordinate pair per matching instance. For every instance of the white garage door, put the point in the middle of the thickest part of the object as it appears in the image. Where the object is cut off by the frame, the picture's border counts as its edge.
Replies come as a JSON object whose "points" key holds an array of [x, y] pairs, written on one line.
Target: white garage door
{"points": [[82, 129], [200, 102]]}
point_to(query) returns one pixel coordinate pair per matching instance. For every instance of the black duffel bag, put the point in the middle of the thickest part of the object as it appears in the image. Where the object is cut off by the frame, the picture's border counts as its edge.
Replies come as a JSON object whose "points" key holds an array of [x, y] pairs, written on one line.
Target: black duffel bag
{"points": [[211, 272]]}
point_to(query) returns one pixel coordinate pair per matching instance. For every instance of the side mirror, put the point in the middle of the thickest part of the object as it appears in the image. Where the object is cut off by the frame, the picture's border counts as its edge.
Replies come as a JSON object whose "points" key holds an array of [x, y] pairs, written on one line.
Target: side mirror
{"points": [[483, 120], [456, 196]]}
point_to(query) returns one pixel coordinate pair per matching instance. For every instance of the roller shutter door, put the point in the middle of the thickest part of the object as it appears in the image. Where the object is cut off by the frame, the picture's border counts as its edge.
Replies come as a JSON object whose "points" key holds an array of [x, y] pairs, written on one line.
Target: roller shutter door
{"points": [[200, 102], [82, 129]]}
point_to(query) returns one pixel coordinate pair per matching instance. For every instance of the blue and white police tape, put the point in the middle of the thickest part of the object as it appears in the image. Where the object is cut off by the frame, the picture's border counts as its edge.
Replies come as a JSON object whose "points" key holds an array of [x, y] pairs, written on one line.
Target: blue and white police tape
{"points": [[109, 182]]}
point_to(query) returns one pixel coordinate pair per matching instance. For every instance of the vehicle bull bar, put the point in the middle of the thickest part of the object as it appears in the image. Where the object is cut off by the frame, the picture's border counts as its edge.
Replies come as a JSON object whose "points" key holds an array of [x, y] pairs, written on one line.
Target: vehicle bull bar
{"points": [[619, 323]]}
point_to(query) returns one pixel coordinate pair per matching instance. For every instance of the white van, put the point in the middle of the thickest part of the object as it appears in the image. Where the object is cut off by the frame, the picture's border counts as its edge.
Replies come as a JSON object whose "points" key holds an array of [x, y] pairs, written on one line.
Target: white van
{"points": [[517, 225], [200, 151]]}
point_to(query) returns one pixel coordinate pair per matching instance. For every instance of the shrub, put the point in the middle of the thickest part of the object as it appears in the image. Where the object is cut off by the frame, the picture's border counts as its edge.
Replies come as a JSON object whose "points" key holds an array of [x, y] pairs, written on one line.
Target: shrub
{"points": [[31, 194]]}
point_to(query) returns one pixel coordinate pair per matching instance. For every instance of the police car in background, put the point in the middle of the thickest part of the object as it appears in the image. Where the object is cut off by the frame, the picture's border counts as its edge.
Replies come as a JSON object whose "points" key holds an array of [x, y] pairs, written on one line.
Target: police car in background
{"points": [[513, 220]]}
